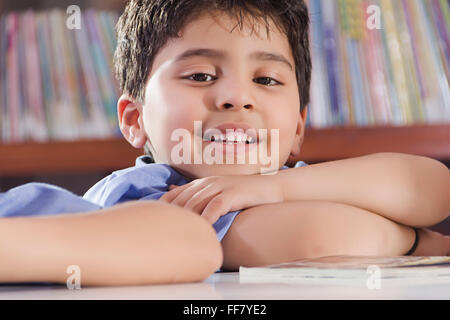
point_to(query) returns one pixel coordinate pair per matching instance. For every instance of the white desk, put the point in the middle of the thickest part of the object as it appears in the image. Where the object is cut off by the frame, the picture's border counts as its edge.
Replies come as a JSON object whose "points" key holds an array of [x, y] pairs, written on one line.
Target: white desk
{"points": [[227, 286]]}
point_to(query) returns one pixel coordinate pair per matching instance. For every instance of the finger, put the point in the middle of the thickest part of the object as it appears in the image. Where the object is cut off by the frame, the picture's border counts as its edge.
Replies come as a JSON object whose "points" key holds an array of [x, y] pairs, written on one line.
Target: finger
{"points": [[186, 194], [169, 195], [172, 194], [200, 199], [189, 191], [217, 207]]}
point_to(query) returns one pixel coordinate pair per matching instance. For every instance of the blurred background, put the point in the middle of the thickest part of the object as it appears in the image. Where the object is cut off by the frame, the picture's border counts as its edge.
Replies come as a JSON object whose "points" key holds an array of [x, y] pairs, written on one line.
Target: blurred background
{"points": [[379, 84]]}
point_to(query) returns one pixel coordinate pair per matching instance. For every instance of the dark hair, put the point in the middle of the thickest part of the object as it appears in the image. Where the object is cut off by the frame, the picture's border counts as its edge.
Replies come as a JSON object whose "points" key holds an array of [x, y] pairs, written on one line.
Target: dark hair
{"points": [[146, 25]]}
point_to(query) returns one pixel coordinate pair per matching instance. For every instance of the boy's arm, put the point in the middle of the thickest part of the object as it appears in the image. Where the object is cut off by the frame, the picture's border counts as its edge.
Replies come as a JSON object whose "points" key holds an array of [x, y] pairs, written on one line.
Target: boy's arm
{"points": [[281, 232], [136, 243], [408, 189]]}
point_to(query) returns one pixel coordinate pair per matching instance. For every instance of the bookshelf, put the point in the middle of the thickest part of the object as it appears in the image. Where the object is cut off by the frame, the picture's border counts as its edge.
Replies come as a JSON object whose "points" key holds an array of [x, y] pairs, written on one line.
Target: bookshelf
{"points": [[319, 145], [19, 5], [91, 155], [339, 143], [354, 135]]}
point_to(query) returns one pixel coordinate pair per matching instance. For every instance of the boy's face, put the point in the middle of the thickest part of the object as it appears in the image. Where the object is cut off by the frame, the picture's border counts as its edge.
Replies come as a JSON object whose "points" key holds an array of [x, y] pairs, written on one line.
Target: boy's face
{"points": [[215, 90]]}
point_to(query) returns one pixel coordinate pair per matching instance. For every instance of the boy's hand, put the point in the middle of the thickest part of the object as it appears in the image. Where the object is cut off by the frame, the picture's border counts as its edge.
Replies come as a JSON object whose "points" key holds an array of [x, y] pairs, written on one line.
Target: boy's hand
{"points": [[215, 196]]}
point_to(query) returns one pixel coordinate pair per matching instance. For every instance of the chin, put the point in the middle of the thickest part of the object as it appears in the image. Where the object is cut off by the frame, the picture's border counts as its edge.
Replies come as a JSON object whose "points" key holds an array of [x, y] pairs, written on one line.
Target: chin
{"points": [[197, 171]]}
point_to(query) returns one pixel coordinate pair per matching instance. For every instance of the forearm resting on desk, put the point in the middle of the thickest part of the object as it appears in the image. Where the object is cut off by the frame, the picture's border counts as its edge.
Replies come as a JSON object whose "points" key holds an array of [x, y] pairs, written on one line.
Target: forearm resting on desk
{"points": [[408, 189], [129, 244], [281, 232]]}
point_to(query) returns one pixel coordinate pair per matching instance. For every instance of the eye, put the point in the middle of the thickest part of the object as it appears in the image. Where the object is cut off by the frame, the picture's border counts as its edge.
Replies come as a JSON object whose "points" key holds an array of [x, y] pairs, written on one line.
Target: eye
{"points": [[197, 77], [202, 77], [268, 79]]}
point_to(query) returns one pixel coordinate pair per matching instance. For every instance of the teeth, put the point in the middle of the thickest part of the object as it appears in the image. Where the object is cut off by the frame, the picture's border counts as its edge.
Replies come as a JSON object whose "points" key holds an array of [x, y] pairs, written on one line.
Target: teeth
{"points": [[231, 138]]}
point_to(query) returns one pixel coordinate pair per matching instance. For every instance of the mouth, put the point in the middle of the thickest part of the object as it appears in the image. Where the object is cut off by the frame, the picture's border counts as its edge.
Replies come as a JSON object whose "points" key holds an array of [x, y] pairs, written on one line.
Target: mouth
{"points": [[231, 138], [232, 133]]}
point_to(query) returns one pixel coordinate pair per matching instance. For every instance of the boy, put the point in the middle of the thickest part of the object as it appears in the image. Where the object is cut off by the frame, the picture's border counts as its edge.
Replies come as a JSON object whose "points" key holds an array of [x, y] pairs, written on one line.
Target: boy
{"points": [[204, 74], [361, 206]]}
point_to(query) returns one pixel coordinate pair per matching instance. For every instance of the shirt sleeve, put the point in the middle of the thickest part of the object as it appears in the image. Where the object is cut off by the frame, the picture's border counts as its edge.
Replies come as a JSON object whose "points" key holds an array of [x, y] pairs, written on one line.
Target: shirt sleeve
{"points": [[300, 164], [137, 183], [36, 199]]}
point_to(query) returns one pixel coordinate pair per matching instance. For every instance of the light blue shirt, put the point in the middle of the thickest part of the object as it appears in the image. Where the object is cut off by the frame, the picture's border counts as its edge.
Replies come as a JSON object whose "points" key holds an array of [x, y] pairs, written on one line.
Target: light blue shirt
{"points": [[144, 181]]}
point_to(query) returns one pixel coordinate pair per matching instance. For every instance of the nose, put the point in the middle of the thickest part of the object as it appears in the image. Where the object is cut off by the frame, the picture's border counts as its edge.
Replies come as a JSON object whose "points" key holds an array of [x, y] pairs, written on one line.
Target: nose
{"points": [[235, 96], [230, 106]]}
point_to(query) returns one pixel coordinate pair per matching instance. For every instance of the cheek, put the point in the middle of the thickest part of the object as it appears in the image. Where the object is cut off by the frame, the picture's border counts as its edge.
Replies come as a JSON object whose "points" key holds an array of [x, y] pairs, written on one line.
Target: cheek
{"points": [[171, 118], [183, 107], [183, 117], [171, 108], [285, 121]]}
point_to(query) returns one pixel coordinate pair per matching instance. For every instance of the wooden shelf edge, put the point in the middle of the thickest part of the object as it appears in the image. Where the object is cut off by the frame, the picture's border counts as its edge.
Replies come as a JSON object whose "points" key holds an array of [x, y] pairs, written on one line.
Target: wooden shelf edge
{"points": [[319, 145], [339, 143], [62, 157]]}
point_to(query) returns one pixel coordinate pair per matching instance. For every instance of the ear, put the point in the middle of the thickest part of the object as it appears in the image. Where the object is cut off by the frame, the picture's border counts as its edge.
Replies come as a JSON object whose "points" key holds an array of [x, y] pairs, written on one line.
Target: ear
{"points": [[299, 134], [131, 121]]}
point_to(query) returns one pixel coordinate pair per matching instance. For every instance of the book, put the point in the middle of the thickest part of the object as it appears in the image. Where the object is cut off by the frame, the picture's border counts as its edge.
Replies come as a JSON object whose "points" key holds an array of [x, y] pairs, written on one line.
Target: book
{"points": [[22, 110], [443, 47], [397, 74], [3, 83], [352, 38], [331, 57], [377, 73], [46, 72], [100, 66], [436, 90], [66, 125], [36, 124], [345, 71], [320, 113], [99, 123], [442, 32], [13, 94], [403, 24], [57, 83], [346, 269]]}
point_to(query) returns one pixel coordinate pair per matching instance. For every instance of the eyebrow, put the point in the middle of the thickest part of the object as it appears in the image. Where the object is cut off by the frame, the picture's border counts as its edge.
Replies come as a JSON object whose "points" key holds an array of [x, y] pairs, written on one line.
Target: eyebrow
{"points": [[217, 54]]}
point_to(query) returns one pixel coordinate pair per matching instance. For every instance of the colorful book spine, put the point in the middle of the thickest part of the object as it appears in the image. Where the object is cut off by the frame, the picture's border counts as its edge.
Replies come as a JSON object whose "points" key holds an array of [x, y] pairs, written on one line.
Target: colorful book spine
{"points": [[3, 91], [376, 73], [46, 72], [37, 124], [438, 93], [353, 38], [23, 110], [441, 31], [406, 51], [65, 125], [13, 94], [345, 65], [331, 57], [443, 43], [100, 66], [321, 113], [393, 45], [99, 123]]}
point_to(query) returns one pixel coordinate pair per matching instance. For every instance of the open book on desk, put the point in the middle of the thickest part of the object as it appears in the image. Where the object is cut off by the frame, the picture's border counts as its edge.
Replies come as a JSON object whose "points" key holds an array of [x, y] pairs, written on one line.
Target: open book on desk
{"points": [[352, 269]]}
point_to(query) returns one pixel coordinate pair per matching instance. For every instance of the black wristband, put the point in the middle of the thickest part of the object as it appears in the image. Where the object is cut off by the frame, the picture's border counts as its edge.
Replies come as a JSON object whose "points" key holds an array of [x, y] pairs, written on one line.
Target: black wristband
{"points": [[416, 242]]}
